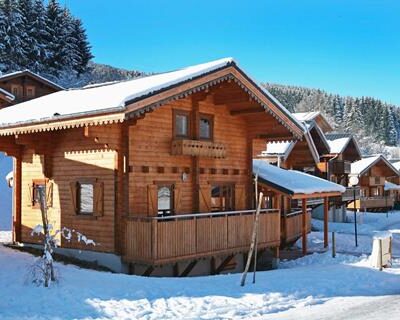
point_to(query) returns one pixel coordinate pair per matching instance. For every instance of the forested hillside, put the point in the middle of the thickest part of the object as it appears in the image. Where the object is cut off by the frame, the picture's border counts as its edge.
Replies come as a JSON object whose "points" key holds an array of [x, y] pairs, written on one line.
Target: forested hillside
{"points": [[375, 123]]}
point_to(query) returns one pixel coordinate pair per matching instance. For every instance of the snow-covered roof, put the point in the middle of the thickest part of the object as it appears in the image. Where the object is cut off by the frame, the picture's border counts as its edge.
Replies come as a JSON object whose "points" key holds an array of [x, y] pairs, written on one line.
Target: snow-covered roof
{"points": [[30, 73], [279, 148], [113, 97], [391, 186], [338, 145], [292, 181], [306, 116], [7, 94], [360, 166], [396, 165]]}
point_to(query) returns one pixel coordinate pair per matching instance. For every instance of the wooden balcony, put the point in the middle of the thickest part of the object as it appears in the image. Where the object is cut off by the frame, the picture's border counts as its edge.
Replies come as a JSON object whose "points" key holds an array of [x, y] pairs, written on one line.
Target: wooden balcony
{"points": [[339, 167], [372, 203], [348, 195], [291, 225], [159, 240], [372, 181], [198, 148]]}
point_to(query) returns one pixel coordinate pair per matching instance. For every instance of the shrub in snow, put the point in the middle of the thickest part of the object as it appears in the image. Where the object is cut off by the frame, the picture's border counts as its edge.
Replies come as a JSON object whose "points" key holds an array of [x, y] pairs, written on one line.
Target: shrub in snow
{"points": [[42, 271]]}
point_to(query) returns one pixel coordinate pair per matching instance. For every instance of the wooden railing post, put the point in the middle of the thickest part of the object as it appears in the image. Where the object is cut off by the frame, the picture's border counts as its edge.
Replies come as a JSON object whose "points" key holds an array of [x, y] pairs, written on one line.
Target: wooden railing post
{"points": [[304, 226]]}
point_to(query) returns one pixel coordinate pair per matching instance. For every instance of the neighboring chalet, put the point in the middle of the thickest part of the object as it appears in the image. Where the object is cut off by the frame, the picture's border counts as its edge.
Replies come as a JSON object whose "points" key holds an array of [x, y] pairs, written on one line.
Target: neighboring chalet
{"points": [[24, 85], [335, 166], [156, 170], [374, 173]]}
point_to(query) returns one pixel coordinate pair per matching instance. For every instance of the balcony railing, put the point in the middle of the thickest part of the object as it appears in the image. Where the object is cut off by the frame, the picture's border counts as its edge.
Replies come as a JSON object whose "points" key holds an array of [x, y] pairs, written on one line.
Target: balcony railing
{"points": [[338, 167], [292, 224], [372, 181], [182, 237], [372, 203], [348, 195], [198, 148]]}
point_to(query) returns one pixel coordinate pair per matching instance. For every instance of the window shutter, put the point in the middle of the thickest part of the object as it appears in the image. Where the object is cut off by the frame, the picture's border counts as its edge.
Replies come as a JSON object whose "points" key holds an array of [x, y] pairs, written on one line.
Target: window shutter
{"points": [[98, 199], [30, 195], [177, 198], [205, 198], [74, 187], [49, 194], [152, 200], [240, 197]]}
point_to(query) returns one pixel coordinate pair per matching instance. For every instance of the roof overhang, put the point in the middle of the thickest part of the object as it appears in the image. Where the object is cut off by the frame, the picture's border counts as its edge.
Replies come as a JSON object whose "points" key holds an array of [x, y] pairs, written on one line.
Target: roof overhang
{"points": [[137, 107]]}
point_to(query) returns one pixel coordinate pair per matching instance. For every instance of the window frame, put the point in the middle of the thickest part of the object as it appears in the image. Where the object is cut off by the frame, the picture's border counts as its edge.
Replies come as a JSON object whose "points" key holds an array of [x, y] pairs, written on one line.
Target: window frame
{"points": [[210, 118], [171, 186], [37, 182], [33, 88], [90, 181], [223, 185], [187, 114], [19, 89]]}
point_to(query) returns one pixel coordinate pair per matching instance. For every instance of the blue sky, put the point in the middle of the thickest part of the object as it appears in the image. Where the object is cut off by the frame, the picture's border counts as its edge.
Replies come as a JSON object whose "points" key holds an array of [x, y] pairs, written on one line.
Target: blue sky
{"points": [[351, 47]]}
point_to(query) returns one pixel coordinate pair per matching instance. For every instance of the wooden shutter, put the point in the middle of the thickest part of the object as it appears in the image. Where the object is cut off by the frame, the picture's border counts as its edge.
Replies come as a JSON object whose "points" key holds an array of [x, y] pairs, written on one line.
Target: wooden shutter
{"points": [[29, 199], [177, 198], [49, 194], [152, 200], [205, 197], [98, 199], [240, 197], [73, 187]]}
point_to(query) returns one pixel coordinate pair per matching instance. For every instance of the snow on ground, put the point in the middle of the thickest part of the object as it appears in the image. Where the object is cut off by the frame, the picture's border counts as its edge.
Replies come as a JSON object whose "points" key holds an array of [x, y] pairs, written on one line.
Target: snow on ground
{"points": [[313, 287], [5, 237], [86, 294]]}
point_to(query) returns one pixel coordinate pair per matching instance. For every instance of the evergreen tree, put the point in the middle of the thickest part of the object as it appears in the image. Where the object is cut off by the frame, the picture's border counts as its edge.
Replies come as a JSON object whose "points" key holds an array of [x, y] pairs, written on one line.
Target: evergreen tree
{"points": [[13, 55], [84, 54]]}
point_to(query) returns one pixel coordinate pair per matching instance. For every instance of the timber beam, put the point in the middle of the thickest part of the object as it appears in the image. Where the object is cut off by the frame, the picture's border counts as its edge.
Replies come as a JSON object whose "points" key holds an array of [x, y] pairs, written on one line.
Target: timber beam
{"points": [[221, 267], [188, 269]]}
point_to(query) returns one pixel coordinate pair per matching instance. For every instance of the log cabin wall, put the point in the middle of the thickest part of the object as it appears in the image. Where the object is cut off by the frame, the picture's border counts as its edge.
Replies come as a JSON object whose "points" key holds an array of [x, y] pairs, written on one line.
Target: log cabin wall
{"points": [[75, 156], [151, 161]]}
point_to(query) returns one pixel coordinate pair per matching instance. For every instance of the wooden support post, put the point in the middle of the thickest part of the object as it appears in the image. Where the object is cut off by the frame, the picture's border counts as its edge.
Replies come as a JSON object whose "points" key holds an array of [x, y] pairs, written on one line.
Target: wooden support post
{"points": [[17, 191], [176, 270], [188, 269], [148, 271], [195, 159], [326, 208], [304, 226], [223, 264]]}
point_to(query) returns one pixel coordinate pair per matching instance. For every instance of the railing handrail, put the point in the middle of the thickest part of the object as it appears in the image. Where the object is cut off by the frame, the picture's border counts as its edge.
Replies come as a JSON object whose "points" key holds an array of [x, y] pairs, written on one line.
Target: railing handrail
{"points": [[296, 212], [203, 215]]}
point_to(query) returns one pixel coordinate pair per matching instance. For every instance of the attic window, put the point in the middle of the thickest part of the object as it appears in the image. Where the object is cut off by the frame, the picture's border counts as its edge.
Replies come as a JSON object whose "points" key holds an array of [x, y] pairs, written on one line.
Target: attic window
{"points": [[206, 127], [30, 92]]}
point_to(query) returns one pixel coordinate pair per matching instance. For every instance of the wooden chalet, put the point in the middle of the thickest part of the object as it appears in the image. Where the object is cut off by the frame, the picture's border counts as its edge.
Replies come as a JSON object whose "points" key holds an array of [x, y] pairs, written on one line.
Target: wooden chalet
{"points": [[156, 170], [283, 189], [374, 173], [24, 85]]}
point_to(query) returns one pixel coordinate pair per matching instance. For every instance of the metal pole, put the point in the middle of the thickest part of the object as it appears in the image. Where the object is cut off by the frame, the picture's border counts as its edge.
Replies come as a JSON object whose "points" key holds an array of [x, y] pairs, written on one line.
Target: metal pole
{"points": [[333, 245], [355, 215]]}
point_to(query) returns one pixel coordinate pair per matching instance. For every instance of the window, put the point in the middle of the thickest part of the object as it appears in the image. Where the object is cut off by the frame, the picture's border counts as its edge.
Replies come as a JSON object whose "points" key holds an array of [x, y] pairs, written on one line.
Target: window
{"points": [[87, 197], [222, 197], [37, 186], [206, 127], [181, 124], [85, 193], [30, 92], [165, 202], [16, 91]]}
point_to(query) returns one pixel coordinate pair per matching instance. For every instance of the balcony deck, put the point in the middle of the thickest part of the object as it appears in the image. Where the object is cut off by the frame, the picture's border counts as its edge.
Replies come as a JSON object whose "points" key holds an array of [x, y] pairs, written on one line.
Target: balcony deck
{"points": [[372, 203], [292, 225], [161, 240]]}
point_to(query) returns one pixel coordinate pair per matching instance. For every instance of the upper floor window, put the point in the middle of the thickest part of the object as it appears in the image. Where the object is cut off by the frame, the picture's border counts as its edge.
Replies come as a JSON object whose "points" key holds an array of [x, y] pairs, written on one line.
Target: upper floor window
{"points": [[16, 91], [181, 124], [30, 92], [206, 127]]}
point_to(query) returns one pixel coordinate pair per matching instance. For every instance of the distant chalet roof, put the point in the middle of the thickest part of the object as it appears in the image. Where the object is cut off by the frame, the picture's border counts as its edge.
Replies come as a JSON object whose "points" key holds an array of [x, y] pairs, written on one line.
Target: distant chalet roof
{"points": [[7, 95], [13, 75], [361, 166], [314, 116], [110, 102], [391, 186], [396, 165], [292, 182], [338, 142]]}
